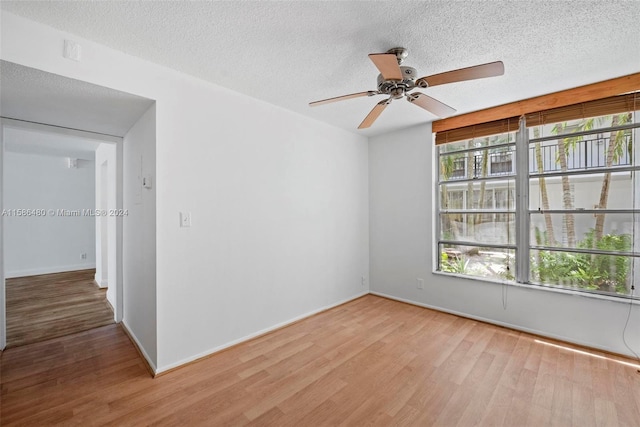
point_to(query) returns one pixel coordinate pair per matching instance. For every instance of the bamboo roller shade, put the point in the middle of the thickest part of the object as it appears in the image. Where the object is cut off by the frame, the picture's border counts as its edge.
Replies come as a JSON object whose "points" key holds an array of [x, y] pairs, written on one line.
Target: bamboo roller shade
{"points": [[599, 107], [588, 108]]}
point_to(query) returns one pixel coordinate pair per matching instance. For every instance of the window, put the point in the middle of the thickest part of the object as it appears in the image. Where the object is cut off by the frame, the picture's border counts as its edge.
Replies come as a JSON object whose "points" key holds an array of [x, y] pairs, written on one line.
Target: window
{"points": [[501, 163], [581, 178], [477, 228]]}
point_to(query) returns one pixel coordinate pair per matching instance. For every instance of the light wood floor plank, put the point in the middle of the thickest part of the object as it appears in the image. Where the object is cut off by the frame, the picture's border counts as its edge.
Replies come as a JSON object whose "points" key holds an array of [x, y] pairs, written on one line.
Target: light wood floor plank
{"points": [[372, 361]]}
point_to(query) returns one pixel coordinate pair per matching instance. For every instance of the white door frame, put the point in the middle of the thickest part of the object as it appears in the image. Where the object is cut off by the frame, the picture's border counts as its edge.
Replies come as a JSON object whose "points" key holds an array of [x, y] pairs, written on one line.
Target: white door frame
{"points": [[3, 317], [117, 281]]}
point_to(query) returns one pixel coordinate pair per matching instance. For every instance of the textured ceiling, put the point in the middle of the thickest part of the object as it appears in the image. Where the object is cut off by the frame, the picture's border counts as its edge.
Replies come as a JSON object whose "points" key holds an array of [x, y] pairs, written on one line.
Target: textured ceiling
{"points": [[290, 53], [37, 96]]}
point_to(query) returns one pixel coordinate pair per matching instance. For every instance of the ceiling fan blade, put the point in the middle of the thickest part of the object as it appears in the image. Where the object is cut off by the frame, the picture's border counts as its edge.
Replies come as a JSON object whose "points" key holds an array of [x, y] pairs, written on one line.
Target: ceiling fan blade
{"points": [[373, 114], [491, 69], [430, 104], [343, 97], [387, 63]]}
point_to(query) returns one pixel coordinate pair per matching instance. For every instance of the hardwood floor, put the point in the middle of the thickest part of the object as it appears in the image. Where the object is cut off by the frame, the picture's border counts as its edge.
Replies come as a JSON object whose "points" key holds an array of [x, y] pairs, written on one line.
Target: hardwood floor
{"points": [[52, 305], [371, 361]]}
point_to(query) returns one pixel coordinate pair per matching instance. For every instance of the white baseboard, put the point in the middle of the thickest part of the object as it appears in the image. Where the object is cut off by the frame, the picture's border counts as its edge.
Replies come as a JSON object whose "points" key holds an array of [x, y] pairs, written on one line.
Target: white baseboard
{"points": [[141, 350], [48, 270], [504, 324], [255, 334], [101, 283]]}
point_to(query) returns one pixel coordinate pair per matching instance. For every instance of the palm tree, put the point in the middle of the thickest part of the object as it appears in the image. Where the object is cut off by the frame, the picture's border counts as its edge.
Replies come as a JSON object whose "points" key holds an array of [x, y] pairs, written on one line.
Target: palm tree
{"points": [[548, 223], [470, 196], [484, 171], [614, 151], [569, 221]]}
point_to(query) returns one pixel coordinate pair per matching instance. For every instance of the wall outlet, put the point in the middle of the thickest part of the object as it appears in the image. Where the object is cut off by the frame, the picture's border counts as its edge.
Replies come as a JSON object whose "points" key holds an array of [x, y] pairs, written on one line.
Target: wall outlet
{"points": [[83, 256], [363, 280], [420, 283]]}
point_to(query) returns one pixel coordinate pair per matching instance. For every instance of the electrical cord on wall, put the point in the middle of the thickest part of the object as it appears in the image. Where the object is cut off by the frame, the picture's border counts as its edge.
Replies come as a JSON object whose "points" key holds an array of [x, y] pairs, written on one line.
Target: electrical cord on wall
{"points": [[505, 288]]}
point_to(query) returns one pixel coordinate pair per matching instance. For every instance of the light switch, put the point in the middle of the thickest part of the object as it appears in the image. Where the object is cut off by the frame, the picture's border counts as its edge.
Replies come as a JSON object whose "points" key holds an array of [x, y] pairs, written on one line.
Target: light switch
{"points": [[146, 181], [185, 219]]}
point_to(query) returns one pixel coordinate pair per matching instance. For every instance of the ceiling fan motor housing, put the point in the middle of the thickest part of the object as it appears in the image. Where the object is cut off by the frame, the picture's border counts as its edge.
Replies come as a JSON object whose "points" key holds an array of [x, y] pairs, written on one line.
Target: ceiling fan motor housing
{"points": [[396, 87]]}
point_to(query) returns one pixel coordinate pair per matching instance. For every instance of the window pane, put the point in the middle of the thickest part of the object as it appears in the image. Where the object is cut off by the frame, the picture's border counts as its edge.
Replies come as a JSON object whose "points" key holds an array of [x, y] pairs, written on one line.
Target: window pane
{"points": [[453, 199], [582, 191], [502, 161], [480, 228], [600, 273], [498, 194], [580, 125], [480, 163], [505, 198], [583, 152], [478, 142], [614, 231], [478, 261]]}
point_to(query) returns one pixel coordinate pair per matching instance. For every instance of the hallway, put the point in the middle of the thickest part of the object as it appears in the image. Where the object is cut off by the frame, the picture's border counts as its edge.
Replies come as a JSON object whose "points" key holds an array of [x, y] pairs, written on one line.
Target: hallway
{"points": [[53, 305]]}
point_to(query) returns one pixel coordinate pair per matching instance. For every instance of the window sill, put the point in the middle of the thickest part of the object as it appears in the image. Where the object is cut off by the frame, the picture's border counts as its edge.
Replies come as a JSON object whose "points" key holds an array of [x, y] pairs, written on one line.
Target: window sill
{"points": [[635, 300]]}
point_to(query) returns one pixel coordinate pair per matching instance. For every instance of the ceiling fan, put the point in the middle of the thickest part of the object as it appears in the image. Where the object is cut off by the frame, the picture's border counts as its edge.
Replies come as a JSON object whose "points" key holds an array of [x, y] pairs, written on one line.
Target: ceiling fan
{"points": [[397, 81]]}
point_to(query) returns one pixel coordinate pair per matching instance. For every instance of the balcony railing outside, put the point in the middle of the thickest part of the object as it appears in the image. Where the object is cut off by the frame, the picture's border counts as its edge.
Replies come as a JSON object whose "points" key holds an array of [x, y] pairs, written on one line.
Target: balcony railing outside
{"points": [[584, 154]]}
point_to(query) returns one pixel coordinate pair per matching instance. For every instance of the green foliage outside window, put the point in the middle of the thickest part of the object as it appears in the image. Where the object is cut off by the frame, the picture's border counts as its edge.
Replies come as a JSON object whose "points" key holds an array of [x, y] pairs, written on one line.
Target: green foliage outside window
{"points": [[607, 273], [452, 264]]}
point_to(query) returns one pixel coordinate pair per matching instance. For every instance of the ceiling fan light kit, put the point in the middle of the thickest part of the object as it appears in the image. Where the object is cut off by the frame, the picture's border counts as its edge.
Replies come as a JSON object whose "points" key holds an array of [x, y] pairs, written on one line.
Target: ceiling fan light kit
{"points": [[396, 81]]}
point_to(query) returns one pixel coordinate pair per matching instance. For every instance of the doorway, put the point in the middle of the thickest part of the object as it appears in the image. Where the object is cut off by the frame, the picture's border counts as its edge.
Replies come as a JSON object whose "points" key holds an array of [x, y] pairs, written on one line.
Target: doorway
{"points": [[36, 100], [53, 195], [48, 306]]}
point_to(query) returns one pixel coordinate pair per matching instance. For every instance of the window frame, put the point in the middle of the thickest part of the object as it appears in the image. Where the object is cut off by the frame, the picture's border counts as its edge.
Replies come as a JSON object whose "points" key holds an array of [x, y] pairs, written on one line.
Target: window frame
{"points": [[439, 182], [523, 211]]}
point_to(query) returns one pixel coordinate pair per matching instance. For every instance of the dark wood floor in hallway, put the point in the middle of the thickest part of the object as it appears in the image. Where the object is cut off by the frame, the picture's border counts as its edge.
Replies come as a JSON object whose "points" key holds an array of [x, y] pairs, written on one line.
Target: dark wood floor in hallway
{"points": [[52, 305], [371, 361]]}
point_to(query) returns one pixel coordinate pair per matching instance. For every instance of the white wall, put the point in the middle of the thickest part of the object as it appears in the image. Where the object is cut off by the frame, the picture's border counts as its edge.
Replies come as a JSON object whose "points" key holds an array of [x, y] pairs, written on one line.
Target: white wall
{"points": [[279, 201], [279, 210], [139, 234], [401, 203], [53, 242]]}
